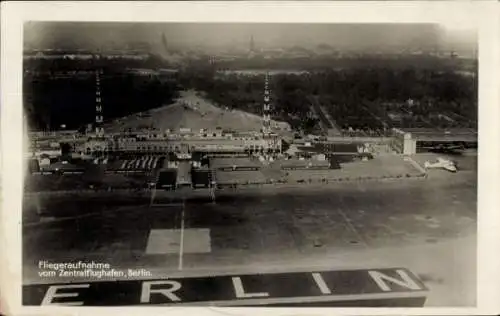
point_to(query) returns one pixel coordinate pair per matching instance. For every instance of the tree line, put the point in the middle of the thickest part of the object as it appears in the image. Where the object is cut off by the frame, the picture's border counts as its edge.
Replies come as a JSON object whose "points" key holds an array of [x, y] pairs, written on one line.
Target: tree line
{"points": [[353, 97], [50, 102]]}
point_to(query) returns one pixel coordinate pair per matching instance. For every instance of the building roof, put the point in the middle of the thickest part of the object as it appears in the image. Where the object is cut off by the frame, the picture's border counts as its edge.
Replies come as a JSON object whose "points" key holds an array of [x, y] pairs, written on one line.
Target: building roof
{"points": [[201, 176], [167, 177], [439, 131], [309, 149], [183, 172], [65, 167], [322, 148], [222, 149], [197, 156], [345, 148], [240, 177], [297, 163], [218, 163], [334, 163]]}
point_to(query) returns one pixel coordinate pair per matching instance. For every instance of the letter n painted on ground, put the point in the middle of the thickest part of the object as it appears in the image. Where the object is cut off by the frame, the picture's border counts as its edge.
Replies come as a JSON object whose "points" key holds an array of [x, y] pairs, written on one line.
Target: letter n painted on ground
{"points": [[383, 280]]}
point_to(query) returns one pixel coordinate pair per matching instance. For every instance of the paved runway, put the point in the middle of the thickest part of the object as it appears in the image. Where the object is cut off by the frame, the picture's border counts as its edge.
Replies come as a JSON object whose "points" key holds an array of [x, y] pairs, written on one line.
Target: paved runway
{"points": [[339, 225]]}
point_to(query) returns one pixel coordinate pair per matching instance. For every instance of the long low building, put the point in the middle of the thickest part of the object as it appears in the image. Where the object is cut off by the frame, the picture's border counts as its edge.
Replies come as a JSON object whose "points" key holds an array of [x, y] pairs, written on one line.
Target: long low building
{"points": [[299, 164], [235, 164], [159, 146], [239, 178]]}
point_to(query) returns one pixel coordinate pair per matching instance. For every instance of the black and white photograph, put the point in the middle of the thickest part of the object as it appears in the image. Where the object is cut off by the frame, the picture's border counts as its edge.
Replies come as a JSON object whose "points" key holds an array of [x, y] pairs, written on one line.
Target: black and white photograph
{"points": [[237, 164], [250, 164]]}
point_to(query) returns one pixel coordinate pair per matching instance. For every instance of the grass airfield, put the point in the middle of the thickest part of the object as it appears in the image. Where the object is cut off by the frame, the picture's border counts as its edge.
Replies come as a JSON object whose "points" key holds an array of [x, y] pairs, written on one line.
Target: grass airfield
{"points": [[426, 225]]}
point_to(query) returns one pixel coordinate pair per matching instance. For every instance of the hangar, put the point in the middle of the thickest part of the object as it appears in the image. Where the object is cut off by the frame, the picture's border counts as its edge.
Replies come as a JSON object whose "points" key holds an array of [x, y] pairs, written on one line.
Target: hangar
{"points": [[167, 179], [234, 164], [201, 178]]}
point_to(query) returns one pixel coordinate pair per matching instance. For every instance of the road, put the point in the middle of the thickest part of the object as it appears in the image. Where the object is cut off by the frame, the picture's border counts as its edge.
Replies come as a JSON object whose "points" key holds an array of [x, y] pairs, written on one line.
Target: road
{"points": [[326, 122], [427, 226]]}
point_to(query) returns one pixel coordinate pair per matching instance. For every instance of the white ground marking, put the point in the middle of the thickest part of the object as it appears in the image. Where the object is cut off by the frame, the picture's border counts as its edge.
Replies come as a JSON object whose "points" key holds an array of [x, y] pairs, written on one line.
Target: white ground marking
{"points": [[153, 195], [162, 241], [181, 247], [167, 241], [348, 221], [321, 283], [49, 220]]}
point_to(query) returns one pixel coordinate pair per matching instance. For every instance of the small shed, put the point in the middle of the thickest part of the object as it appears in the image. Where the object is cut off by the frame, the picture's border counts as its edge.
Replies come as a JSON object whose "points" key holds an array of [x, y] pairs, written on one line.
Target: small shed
{"points": [[167, 179]]}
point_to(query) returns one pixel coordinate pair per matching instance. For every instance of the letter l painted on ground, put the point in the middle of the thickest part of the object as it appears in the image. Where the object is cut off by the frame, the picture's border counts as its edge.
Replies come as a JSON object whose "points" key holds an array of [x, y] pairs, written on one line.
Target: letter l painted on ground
{"points": [[240, 291]]}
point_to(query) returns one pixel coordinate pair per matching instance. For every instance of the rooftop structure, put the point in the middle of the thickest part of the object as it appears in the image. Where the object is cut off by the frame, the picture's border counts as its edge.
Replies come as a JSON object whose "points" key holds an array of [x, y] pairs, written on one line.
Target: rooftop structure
{"points": [[294, 163], [240, 177], [62, 166], [201, 178], [184, 173], [167, 179], [233, 164]]}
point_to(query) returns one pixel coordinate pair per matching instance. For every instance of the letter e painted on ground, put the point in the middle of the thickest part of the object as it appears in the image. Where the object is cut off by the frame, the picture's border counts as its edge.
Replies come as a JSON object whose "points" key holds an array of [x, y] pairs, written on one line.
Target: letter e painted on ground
{"points": [[168, 292], [383, 279], [52, 293], [240, 291]]}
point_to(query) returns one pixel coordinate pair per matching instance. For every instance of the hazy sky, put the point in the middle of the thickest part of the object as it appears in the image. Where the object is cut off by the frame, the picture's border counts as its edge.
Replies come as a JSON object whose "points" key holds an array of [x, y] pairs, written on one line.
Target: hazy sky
{"points": [[341, 36]]}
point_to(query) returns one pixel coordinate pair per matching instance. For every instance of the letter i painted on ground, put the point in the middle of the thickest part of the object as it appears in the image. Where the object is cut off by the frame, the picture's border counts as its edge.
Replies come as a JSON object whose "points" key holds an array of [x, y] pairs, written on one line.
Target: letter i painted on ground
{"points": [[323, 287]]}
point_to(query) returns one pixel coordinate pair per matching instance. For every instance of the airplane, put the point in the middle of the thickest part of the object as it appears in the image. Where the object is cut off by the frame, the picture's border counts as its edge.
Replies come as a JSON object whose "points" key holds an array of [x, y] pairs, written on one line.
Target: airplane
{"points": [[442, 163]]}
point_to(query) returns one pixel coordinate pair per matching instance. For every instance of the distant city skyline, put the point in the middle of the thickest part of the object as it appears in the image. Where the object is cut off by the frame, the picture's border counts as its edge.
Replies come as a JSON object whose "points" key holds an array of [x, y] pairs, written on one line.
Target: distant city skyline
{"points": [[224, 36]]}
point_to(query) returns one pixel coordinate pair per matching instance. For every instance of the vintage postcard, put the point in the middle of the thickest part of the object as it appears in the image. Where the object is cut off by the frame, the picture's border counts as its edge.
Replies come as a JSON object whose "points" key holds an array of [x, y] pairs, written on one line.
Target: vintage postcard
{"points": [[195, 159]]}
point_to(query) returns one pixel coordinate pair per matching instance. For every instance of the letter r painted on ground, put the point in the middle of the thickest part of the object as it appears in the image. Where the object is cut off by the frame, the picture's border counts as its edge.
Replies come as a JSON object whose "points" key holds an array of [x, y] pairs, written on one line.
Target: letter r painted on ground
{"points": [[383, 280], [167, 292], [51, 294]]}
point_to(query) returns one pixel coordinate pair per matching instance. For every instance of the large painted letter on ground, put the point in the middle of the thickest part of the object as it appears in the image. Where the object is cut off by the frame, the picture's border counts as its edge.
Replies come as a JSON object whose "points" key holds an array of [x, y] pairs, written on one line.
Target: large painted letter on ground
{"points": [[169, 292]]}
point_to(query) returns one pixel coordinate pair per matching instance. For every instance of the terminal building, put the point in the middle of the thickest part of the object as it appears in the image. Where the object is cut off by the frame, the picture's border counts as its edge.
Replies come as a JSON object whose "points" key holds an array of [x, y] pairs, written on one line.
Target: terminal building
{"points": [[162, 143]]}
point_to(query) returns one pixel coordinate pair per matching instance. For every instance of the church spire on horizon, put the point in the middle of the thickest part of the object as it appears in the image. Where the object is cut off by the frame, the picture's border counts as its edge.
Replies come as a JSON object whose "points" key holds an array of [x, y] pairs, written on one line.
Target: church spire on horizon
{"points": [[252, 44], [164, 42]]}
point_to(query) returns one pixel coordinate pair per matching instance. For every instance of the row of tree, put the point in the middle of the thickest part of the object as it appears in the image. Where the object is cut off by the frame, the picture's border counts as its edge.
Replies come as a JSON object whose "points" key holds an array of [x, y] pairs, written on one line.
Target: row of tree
{"points": [[383, 85], [353, 95], [52, 102], [354, 98], [321, 62], [115, 64]]}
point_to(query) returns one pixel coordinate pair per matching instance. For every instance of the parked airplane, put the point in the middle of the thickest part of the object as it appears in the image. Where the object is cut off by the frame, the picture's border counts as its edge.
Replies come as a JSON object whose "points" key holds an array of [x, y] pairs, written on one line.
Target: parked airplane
{"points": [[441, 163]]}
